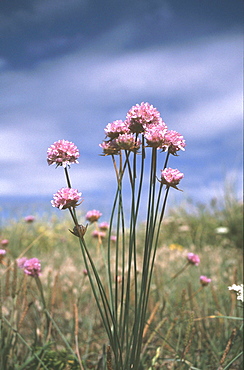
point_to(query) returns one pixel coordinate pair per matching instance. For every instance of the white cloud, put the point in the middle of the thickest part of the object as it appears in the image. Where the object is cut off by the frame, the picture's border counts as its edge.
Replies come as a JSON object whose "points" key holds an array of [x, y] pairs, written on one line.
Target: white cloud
{"points": [[74, 96]]}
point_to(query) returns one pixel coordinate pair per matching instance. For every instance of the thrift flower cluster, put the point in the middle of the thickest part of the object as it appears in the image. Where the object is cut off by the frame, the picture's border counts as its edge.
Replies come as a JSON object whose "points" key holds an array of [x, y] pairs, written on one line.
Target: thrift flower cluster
{"points": [[204, 280], [142, 119], [62, 153], [93, 216], [145, 119], [171, 177], [31, 267], [194, 259], [66, 198]]}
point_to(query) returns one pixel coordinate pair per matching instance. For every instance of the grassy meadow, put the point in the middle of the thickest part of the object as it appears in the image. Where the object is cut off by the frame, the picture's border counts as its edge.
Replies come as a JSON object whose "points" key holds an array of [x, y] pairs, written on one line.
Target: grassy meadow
{"points": [[189, 326]]}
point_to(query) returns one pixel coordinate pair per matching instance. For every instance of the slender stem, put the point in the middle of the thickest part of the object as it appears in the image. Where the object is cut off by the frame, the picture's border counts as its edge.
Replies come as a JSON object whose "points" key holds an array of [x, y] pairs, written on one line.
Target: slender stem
{"points": [[39, 286], [166, 159], [105, 312], [180, 271], [67, 177], [142, 304], [194, 294]]}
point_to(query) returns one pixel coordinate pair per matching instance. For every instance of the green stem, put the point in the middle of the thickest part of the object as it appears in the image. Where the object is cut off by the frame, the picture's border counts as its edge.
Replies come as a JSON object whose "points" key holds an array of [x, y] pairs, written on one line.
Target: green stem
{"points": [[67, 177], [104, 309], [39, 286]]}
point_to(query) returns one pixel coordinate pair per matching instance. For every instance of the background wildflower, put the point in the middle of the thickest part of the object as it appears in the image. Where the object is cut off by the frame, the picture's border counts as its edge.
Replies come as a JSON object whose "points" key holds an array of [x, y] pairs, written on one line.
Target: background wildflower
{"points": [[204, 280], [222, 230], [66, 198], [63, 153], [21, 261], [103, 226], [239, 291], [193, 259], [32, 267], [4, 242], [29, 218], [113, 238], [93, 215], [98, 234], [2, 254], [175, 246]]}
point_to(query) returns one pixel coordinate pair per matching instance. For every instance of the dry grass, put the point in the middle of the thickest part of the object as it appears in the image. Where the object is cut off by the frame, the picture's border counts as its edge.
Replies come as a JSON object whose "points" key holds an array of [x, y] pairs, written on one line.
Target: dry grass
{"points": [[184, 328]]}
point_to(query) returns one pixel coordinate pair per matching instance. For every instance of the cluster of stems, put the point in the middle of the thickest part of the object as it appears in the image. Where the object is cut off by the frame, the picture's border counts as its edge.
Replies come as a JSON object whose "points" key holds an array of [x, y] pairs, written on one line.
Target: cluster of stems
{"points": [[122, 299]]}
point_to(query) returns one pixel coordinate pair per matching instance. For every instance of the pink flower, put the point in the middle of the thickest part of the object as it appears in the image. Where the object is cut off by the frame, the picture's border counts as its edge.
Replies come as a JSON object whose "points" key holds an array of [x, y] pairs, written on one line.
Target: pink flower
{"points": [[194, 259], [171, 177], [30, 219], [142, 115], [93, 215], [154, 134], [62, 153], [128, 142], [103, 226], [116, 128], [173, 142], [66, 198], [113, 238], [98, 234], [204, 280], [2, 254], [4, 242], [21, 261], [32, 267], [110, 147]]}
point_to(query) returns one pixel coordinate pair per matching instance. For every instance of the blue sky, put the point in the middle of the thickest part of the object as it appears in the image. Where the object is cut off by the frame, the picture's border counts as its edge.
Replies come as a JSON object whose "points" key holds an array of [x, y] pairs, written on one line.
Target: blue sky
{"points": [[67, 68]]}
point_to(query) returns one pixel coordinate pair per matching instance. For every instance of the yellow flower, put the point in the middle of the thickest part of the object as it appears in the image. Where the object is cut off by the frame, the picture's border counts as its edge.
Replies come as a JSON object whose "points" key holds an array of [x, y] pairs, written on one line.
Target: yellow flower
{"points": [[177, 247]]}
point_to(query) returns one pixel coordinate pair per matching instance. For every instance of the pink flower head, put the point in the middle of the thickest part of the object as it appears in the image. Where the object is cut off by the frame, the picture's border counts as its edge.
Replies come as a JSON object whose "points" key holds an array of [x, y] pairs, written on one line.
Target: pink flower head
{"points": [[21, 261], [128, 142], [142, 115], [154, 134], [4, 242], [30, 219], [66, 198], [32, 267], [171, 177], [2, 254], [113, 238], [110, 147], [93, 215], [194, 259], [204, 280], [98, 234], [103, 226], [116, 128], [173, 142], [62, 153]]}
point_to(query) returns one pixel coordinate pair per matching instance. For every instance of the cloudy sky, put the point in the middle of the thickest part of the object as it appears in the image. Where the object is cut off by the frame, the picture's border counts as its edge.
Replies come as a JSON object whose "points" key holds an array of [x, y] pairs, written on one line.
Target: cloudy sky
{"points": [[69, 67]]}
